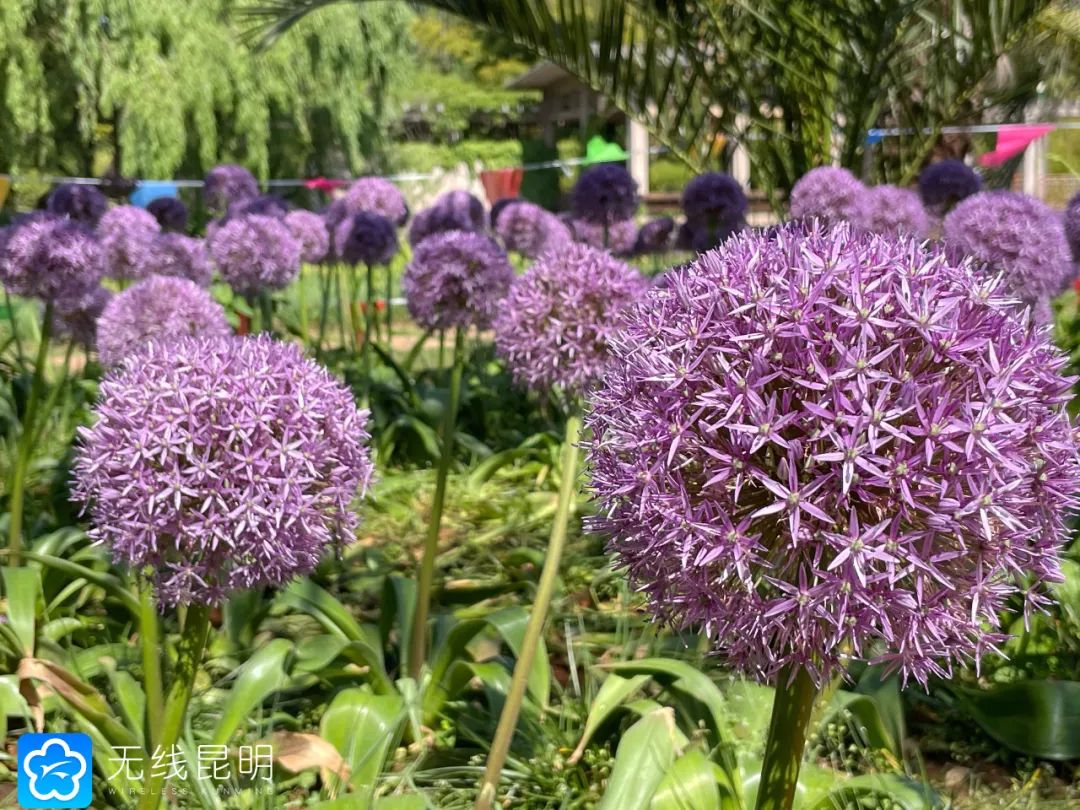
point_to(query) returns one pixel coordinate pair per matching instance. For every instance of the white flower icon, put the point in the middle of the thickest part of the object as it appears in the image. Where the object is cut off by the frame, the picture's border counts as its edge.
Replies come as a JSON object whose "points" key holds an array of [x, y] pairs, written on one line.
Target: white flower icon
{"points": [[59, 764]]}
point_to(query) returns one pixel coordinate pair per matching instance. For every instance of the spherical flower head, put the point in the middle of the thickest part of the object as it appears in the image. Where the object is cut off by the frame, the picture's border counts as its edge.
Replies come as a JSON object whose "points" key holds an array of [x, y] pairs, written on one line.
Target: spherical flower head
{"points": [[827, 193], [266, 205], [828, 446], [1072, 226], [255, 253], [1015, 235], [456, 279], [621, 235], [50, 258], [499, 206], [605, 193], [377, 195], [945, 183], [183, 257], [654, 236], [228, 183], [221, 464], [309, 229], [890, 210], [171, 213], [77, 201], [76, 318], [158, 308], [452, 211], [530, 230], [554, 327], [716, 203], [366, 238], [127, 235]]}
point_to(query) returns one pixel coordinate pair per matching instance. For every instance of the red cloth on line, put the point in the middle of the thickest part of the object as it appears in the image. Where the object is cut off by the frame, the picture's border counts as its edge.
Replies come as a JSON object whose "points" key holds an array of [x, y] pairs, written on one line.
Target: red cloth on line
{"points": [[501, 183], [1012, 139], [325, 184]]}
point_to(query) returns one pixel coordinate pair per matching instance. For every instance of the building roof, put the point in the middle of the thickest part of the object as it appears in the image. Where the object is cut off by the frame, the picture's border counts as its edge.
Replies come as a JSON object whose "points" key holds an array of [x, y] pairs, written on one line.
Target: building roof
{"points": [[539, 76]]}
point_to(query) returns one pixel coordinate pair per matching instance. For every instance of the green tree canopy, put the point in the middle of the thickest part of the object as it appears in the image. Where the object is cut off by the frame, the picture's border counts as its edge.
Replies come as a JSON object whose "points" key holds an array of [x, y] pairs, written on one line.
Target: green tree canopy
{"points": [[161, 87]]}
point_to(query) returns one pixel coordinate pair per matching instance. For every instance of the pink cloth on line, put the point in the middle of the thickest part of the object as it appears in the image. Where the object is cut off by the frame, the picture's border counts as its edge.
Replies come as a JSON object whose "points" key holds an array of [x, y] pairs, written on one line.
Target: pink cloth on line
{"points": [[1012, 139]]}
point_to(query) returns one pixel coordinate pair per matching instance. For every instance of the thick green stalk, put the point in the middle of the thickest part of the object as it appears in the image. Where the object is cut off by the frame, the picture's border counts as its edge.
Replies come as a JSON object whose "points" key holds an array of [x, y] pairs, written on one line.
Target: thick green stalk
{"points": [[418, 642], [389, 308], [354, 309], [342, 305], [26, 442], [324, 309], [442, 348], [369, 335], [14, 330], [301, 305], [150, 641], [54, 395], [192, 644], [504, 733], [792, 707], [266, 312]]}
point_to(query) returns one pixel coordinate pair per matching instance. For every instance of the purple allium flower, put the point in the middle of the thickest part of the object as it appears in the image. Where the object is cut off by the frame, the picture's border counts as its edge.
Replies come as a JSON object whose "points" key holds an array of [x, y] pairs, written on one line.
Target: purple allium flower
{"points": [[554, 327], [828, 193], [1072, 226], [158, 308], [365, 238], [78, 201], [170, 212], [377, 195], [76, 318], [654, 236], [264, 205], [309, 229], [945, 183], [226, 184], [182, 256], [499, 206], [604, 193], [50, 258], [530, 230], [254, 253], [829, 445], [452, 211], [890, 210], [127, 235], [1016, 235], [715, 206], [221, 464], [456, 279], [621, 235]]}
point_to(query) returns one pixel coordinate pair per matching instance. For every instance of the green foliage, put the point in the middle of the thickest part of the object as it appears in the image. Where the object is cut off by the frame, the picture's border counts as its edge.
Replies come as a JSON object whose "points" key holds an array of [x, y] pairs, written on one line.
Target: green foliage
{"points": [[421, 156], [162, 86], [668, 174]]}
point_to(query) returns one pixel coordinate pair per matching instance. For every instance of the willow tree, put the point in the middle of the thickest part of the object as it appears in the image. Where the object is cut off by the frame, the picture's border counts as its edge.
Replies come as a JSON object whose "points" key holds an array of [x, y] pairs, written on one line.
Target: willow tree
{"points": [[159, 87], [799, 81]]}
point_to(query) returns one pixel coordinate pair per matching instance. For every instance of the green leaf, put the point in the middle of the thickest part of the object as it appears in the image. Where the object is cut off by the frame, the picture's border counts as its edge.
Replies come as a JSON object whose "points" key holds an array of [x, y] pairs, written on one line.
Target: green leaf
{"points": [[12, 703], [401, 803], [398, 604], [870, 729], [690, 784], [259, 676], [612, 694], [510, 624], [903, 792], [646, 752], [364, 728], [22, 587], [306, 596], [129, 696], [112, 585], [1037, 718]]}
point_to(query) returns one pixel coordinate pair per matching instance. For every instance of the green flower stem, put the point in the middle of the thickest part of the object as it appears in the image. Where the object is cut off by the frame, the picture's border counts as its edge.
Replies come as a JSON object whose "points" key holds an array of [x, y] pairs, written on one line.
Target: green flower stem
{"points": [[266, 312], [442, 348], [26, 442], [150, 641], [504, 733], [792, 707], [301, 305], [14, 330], [418, 642], [324, 309], [54, 396], [354, 308], [369, 335], [389, 308], [192, 644], [342, 305]]}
